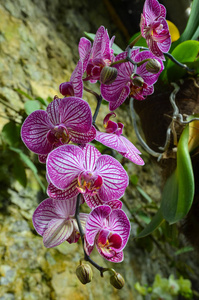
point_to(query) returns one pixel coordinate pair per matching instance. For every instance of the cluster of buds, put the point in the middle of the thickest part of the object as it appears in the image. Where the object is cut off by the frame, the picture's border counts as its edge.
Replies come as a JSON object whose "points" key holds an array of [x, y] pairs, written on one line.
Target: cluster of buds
{"points": [[61, 137]]}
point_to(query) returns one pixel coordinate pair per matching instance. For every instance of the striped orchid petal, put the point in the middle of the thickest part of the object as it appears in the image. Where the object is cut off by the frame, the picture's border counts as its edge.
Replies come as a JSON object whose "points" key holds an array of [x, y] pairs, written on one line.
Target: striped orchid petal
{"points": [[75, 111], [84, 51], [94, 201], [115, 178], [83, 138], [34, 132], [119, 223], [132, 153], [110, 140], [95, 222], [91, 155], [53, 111], [76, 80], [64, 165], [55, 193], [57, 232]]}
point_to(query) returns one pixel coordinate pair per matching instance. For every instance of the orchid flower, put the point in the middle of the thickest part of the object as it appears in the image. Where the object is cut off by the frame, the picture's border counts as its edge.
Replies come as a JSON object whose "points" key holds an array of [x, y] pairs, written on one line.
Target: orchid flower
{"points": [[95, 57], [75, 86], [43, 131], [109, 231], [114, 139], [154, 28], [137, 84], [55, 221], [72, 170]]}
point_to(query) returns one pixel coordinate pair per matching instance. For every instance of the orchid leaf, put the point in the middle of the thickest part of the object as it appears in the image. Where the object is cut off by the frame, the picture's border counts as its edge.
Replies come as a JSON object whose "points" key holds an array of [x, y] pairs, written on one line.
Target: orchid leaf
{"points": [[25, 159], [178, 193], [153, 225], [31, 106], [116, 48], [186, 53]]}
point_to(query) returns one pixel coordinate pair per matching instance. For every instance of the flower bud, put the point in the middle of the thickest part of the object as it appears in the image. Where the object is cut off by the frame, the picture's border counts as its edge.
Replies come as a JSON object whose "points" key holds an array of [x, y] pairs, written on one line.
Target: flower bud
{"points": [[66, 89], [84, 273], [137, 80], [153, 66], [117, 281], [108, 75]]}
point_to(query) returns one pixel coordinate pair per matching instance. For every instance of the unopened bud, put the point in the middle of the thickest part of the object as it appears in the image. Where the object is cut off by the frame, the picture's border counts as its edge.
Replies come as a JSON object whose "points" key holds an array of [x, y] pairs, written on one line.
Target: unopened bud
{"points": [[117, 281], [137, 80], [108, 75], [84, 273], [153, 66], [66, 89]]}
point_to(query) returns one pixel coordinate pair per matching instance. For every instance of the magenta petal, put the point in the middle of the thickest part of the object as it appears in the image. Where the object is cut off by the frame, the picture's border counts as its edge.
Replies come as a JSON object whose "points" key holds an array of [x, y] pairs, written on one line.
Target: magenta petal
{"points": [[68, 193], [76, 79], [91, 154], [96, 221], [94, 201], [84, 51], [132, 152], [53, 111], [83, 138], [110, 140], [119, 223], [58, 231], [34, 132], [44, 212], [64, 165], [110, 255], [75, 114], [151, 10], [97, 43], [115, 178], [88, 248]]}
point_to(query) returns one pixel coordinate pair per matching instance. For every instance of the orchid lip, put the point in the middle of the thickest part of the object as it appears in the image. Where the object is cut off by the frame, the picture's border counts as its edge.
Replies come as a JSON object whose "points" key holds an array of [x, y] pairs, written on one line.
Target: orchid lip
{"points": [[89, 183]]}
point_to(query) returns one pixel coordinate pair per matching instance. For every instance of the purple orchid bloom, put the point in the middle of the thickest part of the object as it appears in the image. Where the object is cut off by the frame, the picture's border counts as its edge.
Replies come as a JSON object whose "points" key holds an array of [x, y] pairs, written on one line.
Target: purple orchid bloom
{"points": [[114, 139], [137, 85], [109, 230], [72, 170], [75, 86], [96, 57], [55, 221], [65, 120], [154, 28]]}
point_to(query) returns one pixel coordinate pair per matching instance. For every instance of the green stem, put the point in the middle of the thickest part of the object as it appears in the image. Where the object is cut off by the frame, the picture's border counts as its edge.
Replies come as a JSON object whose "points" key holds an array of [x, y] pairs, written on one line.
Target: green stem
{"points": [[135, 41]]}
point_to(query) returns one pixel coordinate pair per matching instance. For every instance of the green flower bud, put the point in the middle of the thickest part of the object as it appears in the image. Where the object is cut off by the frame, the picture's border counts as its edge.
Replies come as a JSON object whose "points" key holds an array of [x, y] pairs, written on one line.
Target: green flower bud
{"points": [[108, 75], [153, 66], [137, 80], [117, 281], [84, 273]]}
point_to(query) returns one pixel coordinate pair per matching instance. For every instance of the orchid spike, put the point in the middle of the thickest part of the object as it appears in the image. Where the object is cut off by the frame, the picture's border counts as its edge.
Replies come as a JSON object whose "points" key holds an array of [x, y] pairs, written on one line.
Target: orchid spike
{"points": [[55, 221], [114, 139], [43, 131], [75, 86], [96, 57], [125, 84], [109, 231], [154, 28], [72, 170]]}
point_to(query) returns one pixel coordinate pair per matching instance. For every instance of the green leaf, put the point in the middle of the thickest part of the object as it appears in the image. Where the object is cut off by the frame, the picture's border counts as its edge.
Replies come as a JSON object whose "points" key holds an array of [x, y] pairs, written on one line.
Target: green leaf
{"points": [[29, 164], [186, 52], [116, 48], [11, 133], [19, 172], [184, 250], [42, 101], [24, 94], [140, 42], [178, 192], [31, 106], [153, 225]]}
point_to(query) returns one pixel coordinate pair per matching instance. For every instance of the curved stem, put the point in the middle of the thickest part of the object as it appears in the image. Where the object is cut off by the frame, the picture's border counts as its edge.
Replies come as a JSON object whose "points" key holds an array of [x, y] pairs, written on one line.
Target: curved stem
{"points": [[99, 101], [86, 256]]}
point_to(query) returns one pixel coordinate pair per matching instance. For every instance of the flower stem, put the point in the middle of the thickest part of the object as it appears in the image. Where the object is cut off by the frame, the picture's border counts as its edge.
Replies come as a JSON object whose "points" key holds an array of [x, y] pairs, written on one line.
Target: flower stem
{"points": [[86, 256], [135, 41], [99, 101]]}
